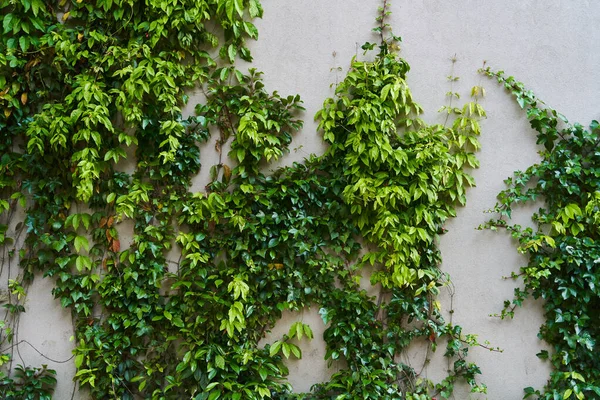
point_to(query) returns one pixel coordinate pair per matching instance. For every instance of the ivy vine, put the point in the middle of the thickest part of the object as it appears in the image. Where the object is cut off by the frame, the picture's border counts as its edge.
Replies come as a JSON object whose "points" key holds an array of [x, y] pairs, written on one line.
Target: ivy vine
{"points": [[563, 248], [84, 84]]}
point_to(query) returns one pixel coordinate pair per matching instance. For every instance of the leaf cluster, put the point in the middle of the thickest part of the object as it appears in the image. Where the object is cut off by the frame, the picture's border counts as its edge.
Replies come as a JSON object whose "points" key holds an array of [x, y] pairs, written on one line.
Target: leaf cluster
{"points": [[28, 383]]}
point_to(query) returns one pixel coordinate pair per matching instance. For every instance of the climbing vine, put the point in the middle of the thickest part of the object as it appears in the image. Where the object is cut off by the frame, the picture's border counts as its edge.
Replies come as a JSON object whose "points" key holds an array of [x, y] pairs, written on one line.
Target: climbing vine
{"points": [[86, 86], [563, 248], [400, 180]]}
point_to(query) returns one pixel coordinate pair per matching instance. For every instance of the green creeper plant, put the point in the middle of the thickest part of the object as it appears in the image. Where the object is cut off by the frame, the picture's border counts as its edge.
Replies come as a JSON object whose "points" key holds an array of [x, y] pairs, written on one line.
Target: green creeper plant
{"points": [[28, 384], [81, 82], [87, 85], [563, 248], [400, 180]]}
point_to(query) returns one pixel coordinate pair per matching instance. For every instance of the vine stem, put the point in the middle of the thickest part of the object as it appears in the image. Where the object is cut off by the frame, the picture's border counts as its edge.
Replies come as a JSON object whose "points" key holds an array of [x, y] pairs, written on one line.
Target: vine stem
{"points": [[453, 59], [382, 21], [37, 351]]}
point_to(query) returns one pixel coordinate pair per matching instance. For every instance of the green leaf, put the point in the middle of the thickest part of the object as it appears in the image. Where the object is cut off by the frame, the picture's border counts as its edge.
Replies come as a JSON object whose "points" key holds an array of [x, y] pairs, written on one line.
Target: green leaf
{"points": [[24, 43], [83, 263], [220, 362], [231, 53], [263, 372], [214, 395], [308, 331], [81, 242], [224, 74], [296, 351], [293, 330], [36, 6], [178, 322], [239, 7], [229, 8], [263, 392], [578, 376], [285, 349], [7, 22], [275, 347], [78, 360], [251, 31], [254, 9], [385, 91]]}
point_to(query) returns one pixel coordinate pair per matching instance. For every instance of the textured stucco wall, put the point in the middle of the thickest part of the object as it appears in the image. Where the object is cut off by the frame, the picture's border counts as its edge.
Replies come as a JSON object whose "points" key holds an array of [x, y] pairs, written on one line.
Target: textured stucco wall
{"points": [[551, 45]]}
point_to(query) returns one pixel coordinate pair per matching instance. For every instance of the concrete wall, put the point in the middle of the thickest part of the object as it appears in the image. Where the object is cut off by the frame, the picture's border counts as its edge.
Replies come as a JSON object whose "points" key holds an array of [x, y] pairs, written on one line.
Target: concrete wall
{"points": [[552, 45]]}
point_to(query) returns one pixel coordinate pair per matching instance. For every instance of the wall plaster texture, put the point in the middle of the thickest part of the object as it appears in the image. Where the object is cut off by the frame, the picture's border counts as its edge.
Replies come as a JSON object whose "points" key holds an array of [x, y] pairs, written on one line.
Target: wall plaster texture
{"points": [[551, 45]]}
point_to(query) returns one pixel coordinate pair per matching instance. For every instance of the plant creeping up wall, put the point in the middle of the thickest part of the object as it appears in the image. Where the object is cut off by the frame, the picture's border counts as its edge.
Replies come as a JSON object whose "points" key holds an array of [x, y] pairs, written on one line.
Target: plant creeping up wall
{"points": [[88, 88]]}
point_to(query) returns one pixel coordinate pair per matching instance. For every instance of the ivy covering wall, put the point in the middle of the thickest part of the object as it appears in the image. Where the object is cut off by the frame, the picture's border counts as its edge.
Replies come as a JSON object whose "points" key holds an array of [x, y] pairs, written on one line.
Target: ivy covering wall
{"points": [[86, 86], [84, 82]]}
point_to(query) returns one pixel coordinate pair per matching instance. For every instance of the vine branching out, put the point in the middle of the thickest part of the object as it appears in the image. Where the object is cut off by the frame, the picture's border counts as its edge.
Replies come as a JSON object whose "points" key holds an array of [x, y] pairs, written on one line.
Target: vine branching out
{"points": [[564, 248]]}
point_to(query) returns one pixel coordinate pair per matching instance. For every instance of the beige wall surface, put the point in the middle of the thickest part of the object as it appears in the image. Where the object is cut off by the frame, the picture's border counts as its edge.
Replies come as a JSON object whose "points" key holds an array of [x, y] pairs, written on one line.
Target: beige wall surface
{"points": [[551, 45]]}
